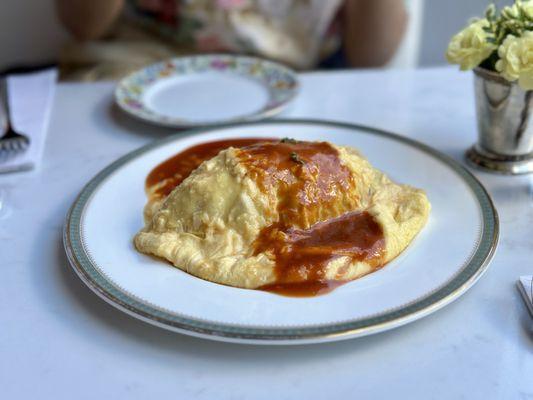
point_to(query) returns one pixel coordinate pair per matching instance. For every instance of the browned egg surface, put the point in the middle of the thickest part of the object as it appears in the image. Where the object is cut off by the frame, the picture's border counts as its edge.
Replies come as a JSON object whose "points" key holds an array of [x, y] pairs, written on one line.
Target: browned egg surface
{"points": [[308, 178]]}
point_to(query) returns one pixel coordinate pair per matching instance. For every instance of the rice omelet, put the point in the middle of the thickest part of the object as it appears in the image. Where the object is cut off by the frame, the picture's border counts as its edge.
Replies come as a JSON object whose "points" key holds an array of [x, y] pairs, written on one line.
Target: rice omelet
{"points": [[287, 216]]}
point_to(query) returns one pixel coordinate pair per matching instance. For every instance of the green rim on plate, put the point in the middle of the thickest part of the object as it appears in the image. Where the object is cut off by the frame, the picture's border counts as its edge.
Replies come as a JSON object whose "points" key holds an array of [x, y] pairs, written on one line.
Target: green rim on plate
{"points": [[279, 81], [443, 295]]}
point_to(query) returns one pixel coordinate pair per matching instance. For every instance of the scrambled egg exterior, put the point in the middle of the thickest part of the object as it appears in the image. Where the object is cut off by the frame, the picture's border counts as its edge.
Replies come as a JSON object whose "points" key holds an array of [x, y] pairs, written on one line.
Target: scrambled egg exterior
{"points": [[208, 224]]}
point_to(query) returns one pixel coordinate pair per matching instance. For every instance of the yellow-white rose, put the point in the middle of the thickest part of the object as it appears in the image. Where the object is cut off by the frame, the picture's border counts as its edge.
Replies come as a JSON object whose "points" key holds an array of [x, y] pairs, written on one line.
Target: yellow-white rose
{"points": [[526, 6], [470, 46], [516, 60], [511, 11], [528, 9]]}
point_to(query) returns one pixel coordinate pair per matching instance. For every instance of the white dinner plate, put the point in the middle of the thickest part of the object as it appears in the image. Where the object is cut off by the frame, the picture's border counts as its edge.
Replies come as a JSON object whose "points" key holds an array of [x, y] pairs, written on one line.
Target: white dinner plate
{"points": [[444, 261], [207, 90]]}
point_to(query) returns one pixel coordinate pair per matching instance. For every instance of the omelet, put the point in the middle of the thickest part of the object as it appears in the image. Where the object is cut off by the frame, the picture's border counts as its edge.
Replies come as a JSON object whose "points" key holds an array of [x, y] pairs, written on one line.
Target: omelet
{"points": [[280, 213]]}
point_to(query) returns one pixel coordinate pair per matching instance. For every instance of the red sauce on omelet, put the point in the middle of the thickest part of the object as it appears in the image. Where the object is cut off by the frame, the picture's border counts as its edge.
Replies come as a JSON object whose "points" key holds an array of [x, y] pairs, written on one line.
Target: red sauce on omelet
{"points": [[310, 182]]}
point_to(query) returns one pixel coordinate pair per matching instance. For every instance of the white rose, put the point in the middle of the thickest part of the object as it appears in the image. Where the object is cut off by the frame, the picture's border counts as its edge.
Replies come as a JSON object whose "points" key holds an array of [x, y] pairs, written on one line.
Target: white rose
{"points": [[528, 9], [470, 47], [516, 60]]}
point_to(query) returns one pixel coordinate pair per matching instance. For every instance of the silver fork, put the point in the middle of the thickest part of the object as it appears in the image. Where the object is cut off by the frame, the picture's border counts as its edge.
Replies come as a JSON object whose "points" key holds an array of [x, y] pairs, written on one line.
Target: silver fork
{"points": [[12, 142]]}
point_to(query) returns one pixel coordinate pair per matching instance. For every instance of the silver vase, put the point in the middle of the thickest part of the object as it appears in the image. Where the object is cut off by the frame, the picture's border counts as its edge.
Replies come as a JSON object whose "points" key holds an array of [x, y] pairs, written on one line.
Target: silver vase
{"points": [[505, 126]]}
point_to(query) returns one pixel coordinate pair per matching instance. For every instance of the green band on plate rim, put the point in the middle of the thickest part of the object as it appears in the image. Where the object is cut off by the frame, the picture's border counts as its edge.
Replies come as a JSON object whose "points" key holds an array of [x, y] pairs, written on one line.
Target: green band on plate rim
{"points": [[457, 285]]}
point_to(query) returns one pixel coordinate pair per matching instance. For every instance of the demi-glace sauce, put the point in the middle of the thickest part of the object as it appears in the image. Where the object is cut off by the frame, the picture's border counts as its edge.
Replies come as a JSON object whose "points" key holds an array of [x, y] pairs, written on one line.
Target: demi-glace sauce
{"points": [[312, 187], [170, 173], [310, 183]]}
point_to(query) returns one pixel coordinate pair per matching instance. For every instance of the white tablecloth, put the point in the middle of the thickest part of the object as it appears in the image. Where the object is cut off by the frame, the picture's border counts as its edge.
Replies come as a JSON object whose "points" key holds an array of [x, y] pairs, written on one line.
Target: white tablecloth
{"points": [[58, 340]]}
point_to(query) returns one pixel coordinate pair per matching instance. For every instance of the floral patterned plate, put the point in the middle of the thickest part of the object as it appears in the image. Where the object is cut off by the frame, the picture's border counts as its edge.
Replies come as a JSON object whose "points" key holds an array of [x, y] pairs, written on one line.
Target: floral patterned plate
{"points": [[207, 90]]}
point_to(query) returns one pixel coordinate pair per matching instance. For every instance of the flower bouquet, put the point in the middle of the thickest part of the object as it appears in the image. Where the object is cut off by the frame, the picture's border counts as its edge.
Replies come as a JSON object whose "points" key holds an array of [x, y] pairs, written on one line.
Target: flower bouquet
{"points": [[499, 48], [500, 42]]}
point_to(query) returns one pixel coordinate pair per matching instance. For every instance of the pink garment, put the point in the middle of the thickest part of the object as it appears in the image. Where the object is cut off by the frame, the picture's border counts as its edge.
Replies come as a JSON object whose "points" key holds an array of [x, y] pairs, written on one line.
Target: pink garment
{"points": [[298, 32]]}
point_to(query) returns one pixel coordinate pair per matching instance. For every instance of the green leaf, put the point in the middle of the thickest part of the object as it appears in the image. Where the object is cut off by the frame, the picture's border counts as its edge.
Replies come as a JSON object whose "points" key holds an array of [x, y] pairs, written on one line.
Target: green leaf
{"points": [[296, 158], [289, 140]]}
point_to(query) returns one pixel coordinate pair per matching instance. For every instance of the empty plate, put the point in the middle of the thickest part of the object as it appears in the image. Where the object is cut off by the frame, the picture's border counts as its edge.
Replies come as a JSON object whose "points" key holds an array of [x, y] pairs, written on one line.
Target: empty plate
{"points": [[207, 90]]}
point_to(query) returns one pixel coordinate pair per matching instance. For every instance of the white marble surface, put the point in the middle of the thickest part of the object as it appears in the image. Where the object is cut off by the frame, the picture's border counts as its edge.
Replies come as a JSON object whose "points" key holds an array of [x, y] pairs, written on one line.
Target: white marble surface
{"points": [[57, 339]]}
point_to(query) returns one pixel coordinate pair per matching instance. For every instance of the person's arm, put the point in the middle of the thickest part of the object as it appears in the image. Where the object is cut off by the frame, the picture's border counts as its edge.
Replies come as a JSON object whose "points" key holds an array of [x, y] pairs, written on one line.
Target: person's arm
{"points": [[88, 19], [372, 30]]}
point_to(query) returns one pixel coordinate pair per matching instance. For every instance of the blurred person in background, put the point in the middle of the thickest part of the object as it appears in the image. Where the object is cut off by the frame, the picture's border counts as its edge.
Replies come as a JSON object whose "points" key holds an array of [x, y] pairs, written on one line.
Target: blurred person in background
{"points": [[115, 37]]}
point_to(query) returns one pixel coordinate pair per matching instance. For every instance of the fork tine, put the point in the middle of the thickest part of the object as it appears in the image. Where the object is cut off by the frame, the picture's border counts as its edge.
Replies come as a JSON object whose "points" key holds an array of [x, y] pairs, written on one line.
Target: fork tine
{"points": [[11, 142], [13, 145]]}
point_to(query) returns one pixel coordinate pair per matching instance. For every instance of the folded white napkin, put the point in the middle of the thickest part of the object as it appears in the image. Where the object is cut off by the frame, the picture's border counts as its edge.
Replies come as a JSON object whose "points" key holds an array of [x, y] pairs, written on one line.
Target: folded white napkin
{"points": [[30, 102], [525, 285]]}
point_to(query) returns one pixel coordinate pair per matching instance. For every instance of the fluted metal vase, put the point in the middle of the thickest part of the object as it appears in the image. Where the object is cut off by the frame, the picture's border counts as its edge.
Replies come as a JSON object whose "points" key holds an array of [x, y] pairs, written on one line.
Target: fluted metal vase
{"points": [[505, 125]]}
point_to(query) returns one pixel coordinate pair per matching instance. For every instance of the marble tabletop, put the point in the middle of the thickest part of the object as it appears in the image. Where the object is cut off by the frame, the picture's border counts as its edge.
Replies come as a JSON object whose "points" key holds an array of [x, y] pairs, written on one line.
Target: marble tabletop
{"points": [[58, 340]]}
